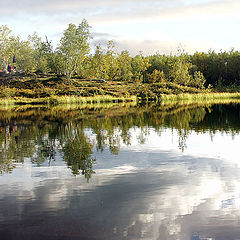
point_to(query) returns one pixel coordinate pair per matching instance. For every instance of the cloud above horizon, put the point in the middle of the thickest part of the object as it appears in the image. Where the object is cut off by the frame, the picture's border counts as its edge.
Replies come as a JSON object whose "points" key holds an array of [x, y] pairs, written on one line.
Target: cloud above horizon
{"points": [[147, 23], [107, 8]]}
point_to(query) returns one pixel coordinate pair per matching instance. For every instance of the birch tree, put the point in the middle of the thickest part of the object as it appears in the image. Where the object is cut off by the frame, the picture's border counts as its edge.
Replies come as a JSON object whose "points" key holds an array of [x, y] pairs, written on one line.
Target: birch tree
{"points": [[124, 66], [98, 69], [5, 45], [40, 50], [111, 61], [74, 46]]}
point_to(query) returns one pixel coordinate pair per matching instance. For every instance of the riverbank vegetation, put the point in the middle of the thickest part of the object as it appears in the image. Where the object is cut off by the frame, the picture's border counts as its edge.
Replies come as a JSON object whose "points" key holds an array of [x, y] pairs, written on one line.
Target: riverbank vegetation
{"points": [[74, 70]]}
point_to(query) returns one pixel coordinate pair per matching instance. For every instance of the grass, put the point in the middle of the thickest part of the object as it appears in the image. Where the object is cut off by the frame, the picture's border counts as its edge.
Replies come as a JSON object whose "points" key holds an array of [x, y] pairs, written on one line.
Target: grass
{"points": [[54, 100], [50, 90], [89, 100], [100, 110], [199, 96]]}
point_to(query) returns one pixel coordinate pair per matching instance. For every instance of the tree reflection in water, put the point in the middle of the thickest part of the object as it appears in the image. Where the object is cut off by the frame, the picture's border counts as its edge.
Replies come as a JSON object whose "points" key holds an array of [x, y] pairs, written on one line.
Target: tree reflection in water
{"points": [[64, 133], [77, 151]]}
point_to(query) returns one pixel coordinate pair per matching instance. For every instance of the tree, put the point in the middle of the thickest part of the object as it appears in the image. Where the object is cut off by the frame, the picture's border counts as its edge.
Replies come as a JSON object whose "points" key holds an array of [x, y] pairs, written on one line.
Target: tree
{"points": [[25, 57], [124, 66], [232, 68], [74, 46], [77, 150], [156, 76], [6, 40], [139, 66], [111, 64], [12, 47], [180, 68], [40, 52], [98, 62], [160, 63], [198, 80]]}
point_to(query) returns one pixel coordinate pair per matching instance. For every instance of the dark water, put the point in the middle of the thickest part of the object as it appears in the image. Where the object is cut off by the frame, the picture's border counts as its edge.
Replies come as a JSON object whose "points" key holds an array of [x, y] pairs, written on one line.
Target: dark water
{"points": [[152, 172]]}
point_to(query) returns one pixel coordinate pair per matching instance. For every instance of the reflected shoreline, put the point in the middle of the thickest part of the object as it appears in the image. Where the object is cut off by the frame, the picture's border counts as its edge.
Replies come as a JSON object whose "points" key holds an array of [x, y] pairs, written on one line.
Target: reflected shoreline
{"points": [[80, 131]]}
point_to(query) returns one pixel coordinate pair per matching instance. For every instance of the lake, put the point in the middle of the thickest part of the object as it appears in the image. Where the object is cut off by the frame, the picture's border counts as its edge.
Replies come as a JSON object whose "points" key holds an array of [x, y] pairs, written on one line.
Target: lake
{"points": [[152, 172]]}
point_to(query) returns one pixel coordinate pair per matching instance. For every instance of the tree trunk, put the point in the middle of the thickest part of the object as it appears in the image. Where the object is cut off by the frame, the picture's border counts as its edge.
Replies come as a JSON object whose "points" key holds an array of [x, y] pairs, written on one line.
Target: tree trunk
{"points": [[51, 53]]}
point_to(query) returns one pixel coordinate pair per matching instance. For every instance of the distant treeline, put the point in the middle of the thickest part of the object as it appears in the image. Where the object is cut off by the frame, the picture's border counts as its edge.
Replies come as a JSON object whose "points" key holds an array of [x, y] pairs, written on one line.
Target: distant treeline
{"points": [[72, 58]]}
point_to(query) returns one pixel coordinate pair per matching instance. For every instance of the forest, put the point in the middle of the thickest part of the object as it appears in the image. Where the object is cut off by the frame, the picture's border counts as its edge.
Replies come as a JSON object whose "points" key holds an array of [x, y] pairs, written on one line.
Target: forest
{"points": [[75, 58]]}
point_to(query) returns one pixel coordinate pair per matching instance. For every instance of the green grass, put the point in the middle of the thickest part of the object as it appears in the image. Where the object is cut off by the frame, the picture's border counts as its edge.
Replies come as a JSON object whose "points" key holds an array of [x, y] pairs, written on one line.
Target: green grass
{"points": [[49, 90], [199, 96], [89, 100], [52, 91], [54, 100]]}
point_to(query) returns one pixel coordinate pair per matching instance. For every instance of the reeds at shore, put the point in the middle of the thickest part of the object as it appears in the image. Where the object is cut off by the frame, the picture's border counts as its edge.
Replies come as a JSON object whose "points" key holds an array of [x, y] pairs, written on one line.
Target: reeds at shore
{"points": [[74, 99], [199, 96], [55, 100]]}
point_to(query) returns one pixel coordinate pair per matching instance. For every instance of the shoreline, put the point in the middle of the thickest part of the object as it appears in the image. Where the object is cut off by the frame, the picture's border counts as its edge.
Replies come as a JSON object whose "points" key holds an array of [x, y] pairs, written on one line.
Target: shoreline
{"points": [[56, 100], [105, 99]]}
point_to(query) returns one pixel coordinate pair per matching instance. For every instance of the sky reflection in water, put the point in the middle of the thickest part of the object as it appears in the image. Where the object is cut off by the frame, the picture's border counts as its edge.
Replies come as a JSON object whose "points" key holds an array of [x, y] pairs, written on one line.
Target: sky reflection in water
{"points": [[153, 182]]}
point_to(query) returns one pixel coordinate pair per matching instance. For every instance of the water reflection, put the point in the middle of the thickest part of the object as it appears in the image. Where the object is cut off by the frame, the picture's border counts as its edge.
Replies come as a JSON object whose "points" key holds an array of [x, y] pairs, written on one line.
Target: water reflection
{"points": [[74, 140], [155, 172], [77, 150]]}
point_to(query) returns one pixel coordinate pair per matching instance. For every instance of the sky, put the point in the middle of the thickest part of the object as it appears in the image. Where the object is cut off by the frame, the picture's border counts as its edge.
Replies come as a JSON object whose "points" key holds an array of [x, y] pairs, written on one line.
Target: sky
{"points": [[150, 26]]}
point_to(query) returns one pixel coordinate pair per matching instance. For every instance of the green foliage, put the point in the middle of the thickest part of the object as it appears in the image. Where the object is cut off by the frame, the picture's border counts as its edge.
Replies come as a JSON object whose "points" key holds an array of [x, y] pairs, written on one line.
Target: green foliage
{"points": [[180, 69], [97, 64], [77, 151], [25, 58], [156, 76], [111, 64], [108, 64], [177, 69], [74, 46], [40, 134], [40, 56], [124, 66], [72, 58], [219, 69], [6, 42], [198, 80], [161, 63], [139, 66]]}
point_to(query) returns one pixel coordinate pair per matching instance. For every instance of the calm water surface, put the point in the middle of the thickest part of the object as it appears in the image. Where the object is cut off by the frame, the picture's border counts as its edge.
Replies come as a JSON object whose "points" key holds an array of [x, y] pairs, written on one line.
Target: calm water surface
{"points": [[152, 172]]}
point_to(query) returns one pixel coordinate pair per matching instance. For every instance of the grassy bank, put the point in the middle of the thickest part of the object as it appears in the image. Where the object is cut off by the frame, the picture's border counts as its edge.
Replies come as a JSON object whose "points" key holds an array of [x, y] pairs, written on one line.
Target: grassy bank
{"points": [[49, 90], [55, 100], [52, 90], [200, 96]]}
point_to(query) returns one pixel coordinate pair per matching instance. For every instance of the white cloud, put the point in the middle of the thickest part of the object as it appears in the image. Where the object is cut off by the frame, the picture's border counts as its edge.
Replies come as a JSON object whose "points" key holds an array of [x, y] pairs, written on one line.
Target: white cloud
{"points": [[123, 10], [151, 26], [148, 47], [175, 12]]}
